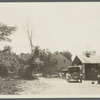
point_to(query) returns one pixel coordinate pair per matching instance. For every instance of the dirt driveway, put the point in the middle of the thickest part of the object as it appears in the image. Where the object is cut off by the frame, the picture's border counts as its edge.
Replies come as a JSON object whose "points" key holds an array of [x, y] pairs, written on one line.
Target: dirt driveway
{"points": [[58, 86]]}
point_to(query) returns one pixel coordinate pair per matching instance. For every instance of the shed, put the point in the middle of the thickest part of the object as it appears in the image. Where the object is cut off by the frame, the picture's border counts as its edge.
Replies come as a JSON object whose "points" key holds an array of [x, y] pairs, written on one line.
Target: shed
{"points": [[90, 66]]}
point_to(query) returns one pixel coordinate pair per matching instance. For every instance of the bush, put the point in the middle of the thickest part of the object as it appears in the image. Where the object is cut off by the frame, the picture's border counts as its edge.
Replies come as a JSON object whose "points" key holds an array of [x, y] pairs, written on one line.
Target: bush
{"points": [[8, 87]]}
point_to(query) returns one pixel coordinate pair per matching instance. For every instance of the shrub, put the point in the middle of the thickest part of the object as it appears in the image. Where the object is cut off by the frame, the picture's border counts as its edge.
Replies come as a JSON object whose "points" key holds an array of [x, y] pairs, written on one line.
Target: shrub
{"points": [[8, 87]]}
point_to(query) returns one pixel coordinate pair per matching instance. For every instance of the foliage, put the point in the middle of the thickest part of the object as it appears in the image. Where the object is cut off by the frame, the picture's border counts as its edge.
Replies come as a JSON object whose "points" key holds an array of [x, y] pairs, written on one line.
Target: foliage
{"points": [[31, 62], [28, 64], [8, 63], [7, 49], [67, 54], [6, 31], [25, 64], [8, 87], [46, 57], [89, 53]]}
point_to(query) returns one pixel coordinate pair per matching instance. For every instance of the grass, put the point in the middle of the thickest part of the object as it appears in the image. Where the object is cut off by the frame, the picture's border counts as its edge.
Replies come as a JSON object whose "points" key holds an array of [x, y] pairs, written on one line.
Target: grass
{"points": [[8, 87]]}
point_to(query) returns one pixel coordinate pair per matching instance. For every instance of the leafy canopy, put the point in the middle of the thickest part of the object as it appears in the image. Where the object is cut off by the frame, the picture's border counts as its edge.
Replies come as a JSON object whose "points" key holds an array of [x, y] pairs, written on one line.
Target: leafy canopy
{"points": [[6, 31]]}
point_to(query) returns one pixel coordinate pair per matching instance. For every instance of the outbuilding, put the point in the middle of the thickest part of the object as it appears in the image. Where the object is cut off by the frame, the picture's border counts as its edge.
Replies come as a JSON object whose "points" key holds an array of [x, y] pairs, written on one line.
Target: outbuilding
{"points": [[90, 66]]}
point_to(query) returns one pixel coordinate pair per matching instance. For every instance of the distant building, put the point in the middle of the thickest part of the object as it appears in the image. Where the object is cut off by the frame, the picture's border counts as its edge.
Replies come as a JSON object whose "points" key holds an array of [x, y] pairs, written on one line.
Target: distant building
{"points": [[90, 66], [61, 61]]}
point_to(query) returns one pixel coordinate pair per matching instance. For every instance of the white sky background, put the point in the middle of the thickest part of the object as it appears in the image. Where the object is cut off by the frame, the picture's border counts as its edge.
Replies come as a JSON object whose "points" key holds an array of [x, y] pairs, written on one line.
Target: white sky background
{"points": [[59, 26]]}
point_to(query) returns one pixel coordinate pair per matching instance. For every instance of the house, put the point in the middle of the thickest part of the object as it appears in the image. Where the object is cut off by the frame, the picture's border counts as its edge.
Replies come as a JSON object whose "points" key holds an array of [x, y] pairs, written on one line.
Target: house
{"points": [[61, 61], [90, 66]]}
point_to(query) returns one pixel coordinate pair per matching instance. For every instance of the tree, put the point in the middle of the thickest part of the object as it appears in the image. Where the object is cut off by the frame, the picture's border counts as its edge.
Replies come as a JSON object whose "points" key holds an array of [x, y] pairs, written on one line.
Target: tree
{"points": [[30, 31], [28, 64], [7, 61], [48, 67], [34, 50], [7, 49], [6, 31], [67, 54], [89, 53], [31, 61]]}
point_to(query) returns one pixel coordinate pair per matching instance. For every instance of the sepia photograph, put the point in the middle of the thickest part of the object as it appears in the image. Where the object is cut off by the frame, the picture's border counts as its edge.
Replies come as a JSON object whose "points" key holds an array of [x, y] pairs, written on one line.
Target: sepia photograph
{"points": [[50, 49]]}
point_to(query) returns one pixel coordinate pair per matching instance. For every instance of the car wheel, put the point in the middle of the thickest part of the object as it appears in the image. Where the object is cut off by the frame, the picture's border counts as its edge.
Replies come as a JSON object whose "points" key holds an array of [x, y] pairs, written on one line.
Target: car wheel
{"points": [[98, 81], [80, 80]]}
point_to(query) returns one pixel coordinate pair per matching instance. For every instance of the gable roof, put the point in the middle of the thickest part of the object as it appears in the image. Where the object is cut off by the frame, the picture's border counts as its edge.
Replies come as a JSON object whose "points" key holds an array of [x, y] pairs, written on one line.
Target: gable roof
{"points": [[62, 62], [92, 59]]}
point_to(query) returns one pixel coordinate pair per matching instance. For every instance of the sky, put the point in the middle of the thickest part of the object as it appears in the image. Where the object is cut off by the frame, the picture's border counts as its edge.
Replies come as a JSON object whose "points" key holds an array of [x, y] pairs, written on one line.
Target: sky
{"points": [[60, 26]]}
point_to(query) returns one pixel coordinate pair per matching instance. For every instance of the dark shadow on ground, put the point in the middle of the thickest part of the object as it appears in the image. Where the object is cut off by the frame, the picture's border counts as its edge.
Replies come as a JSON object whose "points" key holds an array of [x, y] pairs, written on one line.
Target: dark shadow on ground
{"points": [[74, 82]]}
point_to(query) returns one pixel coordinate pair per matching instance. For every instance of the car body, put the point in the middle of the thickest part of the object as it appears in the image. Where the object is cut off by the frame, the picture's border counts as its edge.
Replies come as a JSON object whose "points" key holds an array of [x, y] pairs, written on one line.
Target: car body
{"points": [[98, 78], [74, 73]]}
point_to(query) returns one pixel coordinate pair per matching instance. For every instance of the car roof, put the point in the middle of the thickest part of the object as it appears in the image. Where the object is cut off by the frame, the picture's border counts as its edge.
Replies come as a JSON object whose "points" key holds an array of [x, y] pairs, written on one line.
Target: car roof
{"points": [[73, 67]]}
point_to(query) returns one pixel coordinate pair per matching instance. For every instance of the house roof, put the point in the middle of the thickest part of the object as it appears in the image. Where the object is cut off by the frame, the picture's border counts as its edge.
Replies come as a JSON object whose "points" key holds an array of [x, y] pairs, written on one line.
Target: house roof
{"points": [[92, 59], [62, 62]]}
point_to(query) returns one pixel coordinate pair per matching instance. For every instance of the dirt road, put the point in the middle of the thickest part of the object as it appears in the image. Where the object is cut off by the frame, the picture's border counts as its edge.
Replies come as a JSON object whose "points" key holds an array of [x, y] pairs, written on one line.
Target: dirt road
{"points": [[57, 86]]}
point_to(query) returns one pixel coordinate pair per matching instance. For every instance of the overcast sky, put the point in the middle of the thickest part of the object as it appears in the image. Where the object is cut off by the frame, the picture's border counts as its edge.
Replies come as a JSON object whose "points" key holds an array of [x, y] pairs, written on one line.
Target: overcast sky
{"points": [[59, 26]]}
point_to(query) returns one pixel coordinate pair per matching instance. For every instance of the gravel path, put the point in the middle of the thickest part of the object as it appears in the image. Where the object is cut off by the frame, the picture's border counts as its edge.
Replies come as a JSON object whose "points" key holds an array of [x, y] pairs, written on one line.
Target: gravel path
{"points": [[31, 87], [57, 86]]}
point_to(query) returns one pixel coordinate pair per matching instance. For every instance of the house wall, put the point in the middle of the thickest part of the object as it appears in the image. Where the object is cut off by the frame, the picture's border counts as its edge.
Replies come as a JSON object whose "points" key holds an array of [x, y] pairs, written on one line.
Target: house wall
{"points": [[91, 71], [87, 73], [83, 71]]}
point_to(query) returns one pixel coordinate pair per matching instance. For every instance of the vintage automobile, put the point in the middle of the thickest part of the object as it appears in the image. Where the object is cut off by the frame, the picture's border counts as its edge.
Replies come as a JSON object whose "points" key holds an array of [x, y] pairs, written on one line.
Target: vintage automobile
{"points": [[74, 73]]}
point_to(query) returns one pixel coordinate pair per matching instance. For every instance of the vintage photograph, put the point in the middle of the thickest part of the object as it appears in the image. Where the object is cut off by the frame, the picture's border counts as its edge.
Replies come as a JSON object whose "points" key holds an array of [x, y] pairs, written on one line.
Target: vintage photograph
{"points": [[50, 49]]}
